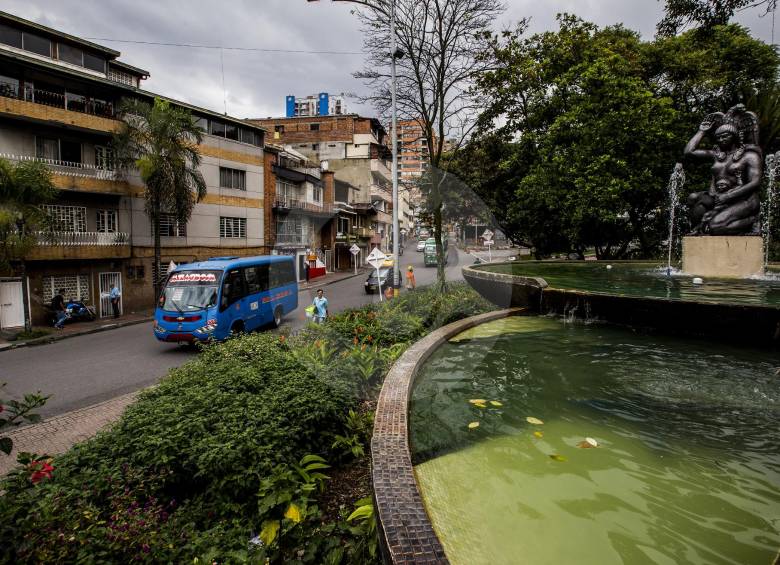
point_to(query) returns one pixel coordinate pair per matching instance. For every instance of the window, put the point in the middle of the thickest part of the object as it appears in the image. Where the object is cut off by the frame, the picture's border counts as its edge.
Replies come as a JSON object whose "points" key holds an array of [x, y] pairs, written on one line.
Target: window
{"points": [[249, 136], [315, 146], [104, 157], [314, 127], [317, 193], [286, 190], [120, 76], [70, 151], [256, 279], [217, 128], [67, 218], [232, 227], [36, 44], [75, 102], [279, 129], [98, 64], [106, 221], [281, 273], [231, 131], [9, 86], [343, 225], [10, 36], [136, 272], [70, 54], [47, 148], [76, 286], [233, 288], [232, 178], [203, 124], [171, 227]]}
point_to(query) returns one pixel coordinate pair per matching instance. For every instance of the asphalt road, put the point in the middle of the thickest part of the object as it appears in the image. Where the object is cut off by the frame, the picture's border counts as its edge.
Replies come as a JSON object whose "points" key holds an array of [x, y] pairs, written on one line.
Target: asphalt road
{"points": [[84, 370]]}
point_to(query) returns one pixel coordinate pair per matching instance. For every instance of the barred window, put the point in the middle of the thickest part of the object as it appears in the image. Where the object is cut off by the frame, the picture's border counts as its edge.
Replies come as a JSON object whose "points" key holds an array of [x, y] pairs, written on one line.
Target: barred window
{"points": [[67, 218], [106, 221], [232, 178], [171, 227], [104, 157], [232, 227], [76, 286]]}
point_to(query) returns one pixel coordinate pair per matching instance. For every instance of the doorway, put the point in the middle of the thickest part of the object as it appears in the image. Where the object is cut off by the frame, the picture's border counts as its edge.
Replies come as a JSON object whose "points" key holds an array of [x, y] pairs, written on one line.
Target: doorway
{"points": [[106, 280], [11, 304]]}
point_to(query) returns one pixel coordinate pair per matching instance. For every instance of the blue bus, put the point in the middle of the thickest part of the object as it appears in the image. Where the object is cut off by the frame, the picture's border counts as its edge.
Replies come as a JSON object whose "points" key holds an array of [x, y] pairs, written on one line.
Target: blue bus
{"points": [[225, 295]]}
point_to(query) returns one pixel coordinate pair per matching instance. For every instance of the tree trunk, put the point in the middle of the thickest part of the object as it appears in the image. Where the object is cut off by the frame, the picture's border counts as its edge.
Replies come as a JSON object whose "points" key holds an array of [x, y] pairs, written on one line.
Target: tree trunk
{"points": [[441, 282]]}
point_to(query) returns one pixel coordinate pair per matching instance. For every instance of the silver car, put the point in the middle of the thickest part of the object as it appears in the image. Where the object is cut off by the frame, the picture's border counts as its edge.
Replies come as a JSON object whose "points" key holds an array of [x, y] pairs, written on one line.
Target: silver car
{"points": [[421, 245]]}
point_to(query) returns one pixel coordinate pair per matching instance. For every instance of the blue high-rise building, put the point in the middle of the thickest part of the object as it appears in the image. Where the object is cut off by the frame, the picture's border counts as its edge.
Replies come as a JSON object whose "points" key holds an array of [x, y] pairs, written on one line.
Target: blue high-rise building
{"points": [[323, 104]]}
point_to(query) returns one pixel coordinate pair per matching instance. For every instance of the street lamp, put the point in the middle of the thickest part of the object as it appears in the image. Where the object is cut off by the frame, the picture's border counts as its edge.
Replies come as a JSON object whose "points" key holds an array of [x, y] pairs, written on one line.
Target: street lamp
{"points": [[395, 54]]}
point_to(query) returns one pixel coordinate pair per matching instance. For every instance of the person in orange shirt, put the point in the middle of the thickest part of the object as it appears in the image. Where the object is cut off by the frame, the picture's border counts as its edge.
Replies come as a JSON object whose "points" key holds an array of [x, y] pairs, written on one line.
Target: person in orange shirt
{"points": [[411, 284]]}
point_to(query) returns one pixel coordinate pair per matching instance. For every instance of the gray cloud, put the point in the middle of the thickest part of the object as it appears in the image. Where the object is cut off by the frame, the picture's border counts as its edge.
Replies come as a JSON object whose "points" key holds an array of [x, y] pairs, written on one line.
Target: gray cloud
{"points": [[257, 82]]}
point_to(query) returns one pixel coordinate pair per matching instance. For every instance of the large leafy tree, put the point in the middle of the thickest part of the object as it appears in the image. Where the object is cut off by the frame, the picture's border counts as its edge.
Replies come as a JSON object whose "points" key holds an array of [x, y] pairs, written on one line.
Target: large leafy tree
{"points": [[704, 14], [160, 141], [596, 119], [24, 187]]}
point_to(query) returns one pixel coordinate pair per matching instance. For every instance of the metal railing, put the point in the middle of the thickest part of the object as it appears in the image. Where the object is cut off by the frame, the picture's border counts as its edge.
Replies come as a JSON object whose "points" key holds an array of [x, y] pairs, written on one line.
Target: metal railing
{"points": [[291, 239], [67, 167], [73, 102], [291, 203], [87, 239]]}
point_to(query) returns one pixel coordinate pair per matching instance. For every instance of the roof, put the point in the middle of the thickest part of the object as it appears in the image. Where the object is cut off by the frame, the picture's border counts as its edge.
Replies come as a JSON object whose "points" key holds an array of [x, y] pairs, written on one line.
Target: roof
{"points": [[55, 33], [224, 263], [131, 90], [131, 68], [374, 121]]}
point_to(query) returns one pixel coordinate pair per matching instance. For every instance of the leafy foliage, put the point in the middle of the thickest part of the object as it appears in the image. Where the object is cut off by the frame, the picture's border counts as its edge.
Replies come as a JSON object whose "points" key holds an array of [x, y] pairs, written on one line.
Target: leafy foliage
{"points": [[705, 14], [14, 412]]}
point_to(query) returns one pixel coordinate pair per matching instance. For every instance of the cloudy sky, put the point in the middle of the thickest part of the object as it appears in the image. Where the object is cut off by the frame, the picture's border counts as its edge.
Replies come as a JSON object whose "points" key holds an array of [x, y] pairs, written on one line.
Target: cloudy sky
{"points": [[257, 82]]}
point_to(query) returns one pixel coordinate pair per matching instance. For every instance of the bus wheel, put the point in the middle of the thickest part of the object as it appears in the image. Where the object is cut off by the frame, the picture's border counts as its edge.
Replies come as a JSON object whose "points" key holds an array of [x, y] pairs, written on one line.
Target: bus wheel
{"points": [[278, 313], [237, 329]]}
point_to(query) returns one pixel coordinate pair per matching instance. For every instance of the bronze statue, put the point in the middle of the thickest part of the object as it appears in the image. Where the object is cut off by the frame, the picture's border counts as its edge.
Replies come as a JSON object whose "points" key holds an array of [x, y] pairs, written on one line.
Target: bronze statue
{"points": [[732, 204]]}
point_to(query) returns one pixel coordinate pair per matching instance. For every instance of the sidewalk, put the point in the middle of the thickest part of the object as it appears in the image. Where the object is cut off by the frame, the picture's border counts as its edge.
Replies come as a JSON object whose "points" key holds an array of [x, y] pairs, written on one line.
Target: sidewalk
{"points": [[59, 433], [331, 278], [76, 328]]}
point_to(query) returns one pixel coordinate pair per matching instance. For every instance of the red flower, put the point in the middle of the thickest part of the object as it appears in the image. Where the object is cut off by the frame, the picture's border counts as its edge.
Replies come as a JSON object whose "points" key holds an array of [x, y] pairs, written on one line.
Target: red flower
{"points": [[40, 470]]}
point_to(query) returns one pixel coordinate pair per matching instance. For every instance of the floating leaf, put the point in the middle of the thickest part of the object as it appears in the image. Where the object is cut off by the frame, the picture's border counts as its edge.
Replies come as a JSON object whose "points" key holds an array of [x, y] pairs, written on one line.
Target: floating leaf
{"points": [[269, 531], [293, 513], [556, 457], [534, 421], [496, 403], [539, 435], [477, 400], [473, 425], [588, 443]]}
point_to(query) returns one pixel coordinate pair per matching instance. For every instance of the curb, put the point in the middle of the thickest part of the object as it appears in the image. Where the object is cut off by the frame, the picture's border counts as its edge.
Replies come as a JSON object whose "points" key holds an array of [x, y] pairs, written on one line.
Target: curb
{"points": [[362, 271], [57, 337]]}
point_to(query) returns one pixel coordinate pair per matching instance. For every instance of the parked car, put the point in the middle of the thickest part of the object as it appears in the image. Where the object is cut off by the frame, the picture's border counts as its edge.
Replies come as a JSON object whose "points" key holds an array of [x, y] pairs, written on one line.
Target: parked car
{"points": [[421, 245], [385, 278]]}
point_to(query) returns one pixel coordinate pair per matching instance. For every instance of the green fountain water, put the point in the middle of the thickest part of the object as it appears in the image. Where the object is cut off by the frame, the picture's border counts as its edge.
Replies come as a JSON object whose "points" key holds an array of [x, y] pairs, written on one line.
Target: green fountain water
{"points": [[687, 468], [645, 280]]}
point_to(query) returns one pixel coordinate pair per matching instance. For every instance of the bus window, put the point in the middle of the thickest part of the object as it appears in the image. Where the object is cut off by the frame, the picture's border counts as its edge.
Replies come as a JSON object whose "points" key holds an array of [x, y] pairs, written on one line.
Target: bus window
{"points": [[232, 288], [281, 274], [252, 280]]}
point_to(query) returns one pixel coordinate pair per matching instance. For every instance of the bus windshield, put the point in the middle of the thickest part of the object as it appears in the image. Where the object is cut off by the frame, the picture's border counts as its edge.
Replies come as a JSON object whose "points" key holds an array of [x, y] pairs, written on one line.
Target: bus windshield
{"points": [[190, 290]]}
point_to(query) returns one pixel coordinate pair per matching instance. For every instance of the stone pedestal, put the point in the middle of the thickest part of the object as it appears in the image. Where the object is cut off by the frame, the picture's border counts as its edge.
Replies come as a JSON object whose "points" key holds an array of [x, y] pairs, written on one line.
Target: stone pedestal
{"points": [[723, 256]]}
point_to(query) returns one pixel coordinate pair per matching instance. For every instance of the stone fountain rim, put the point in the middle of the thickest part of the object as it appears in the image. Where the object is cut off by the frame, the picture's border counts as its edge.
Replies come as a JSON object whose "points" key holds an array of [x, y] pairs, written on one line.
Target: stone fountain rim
{"points": [[405, 530]]}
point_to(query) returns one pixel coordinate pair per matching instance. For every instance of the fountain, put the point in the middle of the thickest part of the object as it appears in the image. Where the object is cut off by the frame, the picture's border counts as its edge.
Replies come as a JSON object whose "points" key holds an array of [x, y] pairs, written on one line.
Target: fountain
{"points": [[621, 413], [676, 182]]}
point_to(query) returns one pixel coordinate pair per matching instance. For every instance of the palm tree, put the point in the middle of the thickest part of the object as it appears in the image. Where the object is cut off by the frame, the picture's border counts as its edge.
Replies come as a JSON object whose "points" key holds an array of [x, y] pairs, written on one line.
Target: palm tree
{"points": [[160, 141], [24, 187]]}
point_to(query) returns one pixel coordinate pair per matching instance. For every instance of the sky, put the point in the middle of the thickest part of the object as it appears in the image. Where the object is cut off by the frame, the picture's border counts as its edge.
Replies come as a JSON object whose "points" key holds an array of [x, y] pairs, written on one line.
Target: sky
{"points": [[256, 82]]}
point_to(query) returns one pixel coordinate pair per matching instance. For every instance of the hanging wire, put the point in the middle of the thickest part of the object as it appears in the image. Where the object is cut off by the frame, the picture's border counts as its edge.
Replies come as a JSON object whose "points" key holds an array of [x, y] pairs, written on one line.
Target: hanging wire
{"points": [[200, 46]]}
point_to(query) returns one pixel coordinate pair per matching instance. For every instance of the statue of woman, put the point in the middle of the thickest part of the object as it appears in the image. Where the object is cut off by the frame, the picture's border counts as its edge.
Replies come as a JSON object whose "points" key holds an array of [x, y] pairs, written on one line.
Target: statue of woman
{"points": [[731, 205]]}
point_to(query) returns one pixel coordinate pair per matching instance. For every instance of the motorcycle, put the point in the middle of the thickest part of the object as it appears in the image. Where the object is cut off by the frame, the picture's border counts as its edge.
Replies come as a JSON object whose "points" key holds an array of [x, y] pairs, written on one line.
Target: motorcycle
{"points": [[76, 310]]}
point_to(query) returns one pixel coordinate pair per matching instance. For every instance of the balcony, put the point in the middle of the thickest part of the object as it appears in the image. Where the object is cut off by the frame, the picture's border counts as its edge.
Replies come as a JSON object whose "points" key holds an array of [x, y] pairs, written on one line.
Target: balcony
{"points": [[291, 239], [290, 204], [80, 245], [78, 176], [63, 107], [363, 232]]}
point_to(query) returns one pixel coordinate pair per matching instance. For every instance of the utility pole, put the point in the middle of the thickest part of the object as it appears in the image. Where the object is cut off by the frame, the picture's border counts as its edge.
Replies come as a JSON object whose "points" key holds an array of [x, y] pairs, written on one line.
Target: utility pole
{"points": [[394, 54]]}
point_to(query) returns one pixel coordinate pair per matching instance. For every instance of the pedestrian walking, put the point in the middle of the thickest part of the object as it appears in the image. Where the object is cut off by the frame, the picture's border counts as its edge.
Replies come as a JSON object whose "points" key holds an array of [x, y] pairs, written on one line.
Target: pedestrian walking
{"points": [[306, 271], [58, 305], [114, 295], [320, 308], [411, 283]]}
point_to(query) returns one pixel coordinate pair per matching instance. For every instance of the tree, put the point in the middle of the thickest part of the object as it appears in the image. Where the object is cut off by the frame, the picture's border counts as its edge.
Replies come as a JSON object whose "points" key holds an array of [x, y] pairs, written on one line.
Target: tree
{"points": [[160, 141], [706, 14], [24, 187], [441, 42], [594, 121]]}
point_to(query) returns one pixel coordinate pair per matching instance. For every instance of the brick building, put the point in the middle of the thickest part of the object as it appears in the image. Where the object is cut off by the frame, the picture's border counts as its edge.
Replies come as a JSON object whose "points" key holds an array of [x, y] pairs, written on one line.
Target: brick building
{"points": [[58, 100]]}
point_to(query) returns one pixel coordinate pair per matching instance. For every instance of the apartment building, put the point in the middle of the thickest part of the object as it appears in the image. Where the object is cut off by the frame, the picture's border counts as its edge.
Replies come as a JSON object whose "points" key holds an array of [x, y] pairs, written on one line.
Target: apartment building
{"points": [[58, 101], [300, 210], [355, 149], [322, 104]]}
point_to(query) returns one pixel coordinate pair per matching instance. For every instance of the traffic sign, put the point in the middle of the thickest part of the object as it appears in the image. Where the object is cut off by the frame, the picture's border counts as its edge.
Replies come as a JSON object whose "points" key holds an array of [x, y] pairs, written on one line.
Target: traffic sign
{"points": [[354, 249], [489, 242], [487, 234], [376, 258]]}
